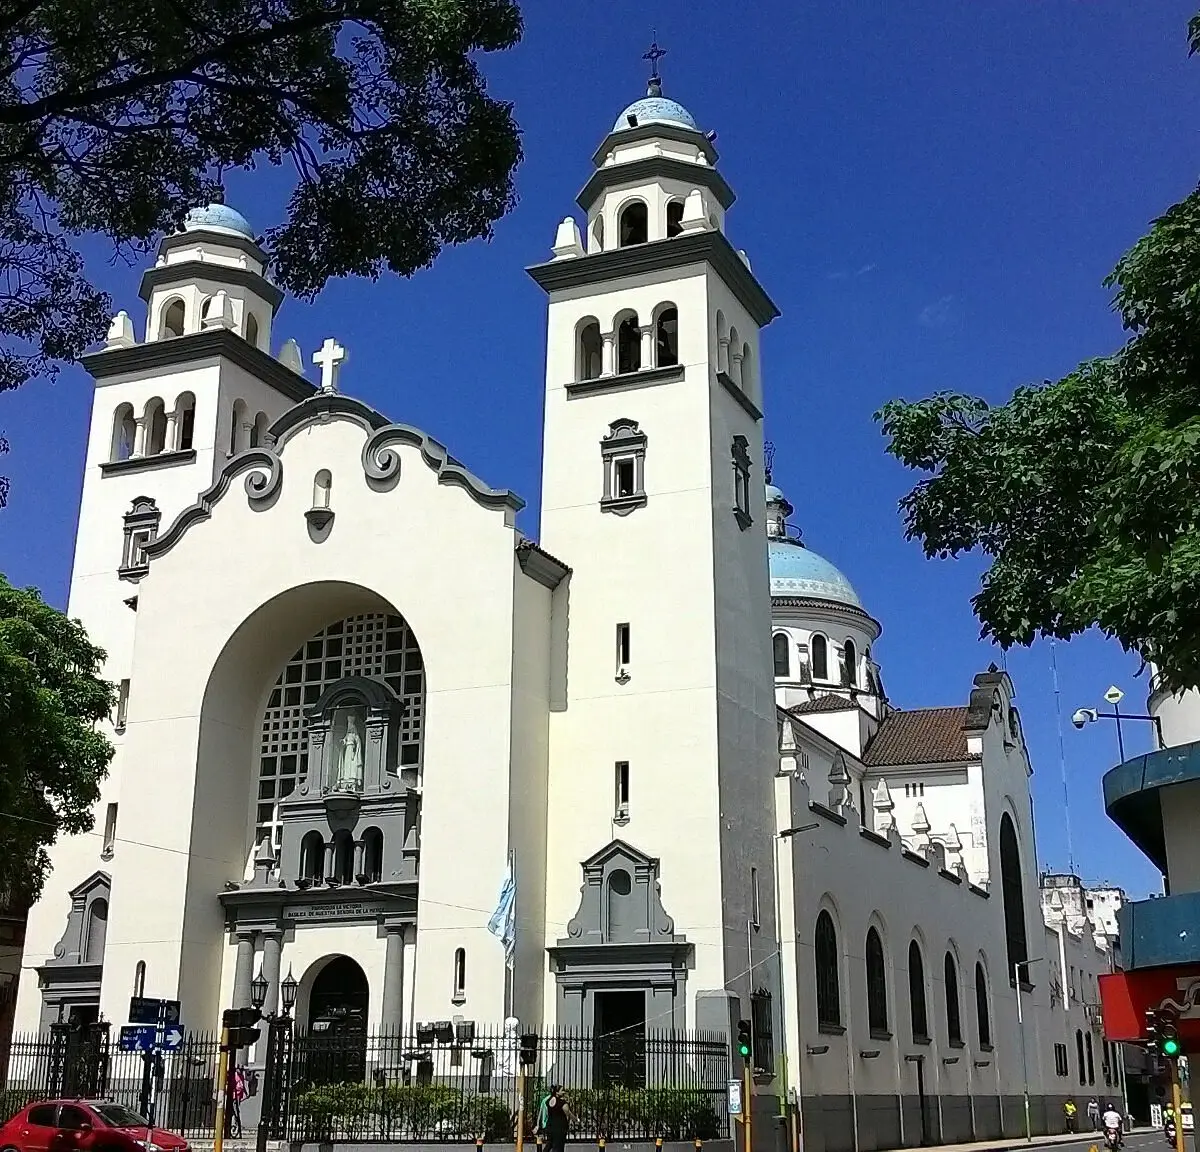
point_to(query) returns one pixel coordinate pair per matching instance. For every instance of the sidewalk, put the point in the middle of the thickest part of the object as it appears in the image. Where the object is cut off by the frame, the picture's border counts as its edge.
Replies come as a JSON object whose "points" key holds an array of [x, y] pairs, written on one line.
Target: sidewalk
{"points": [[1096, 1138]]}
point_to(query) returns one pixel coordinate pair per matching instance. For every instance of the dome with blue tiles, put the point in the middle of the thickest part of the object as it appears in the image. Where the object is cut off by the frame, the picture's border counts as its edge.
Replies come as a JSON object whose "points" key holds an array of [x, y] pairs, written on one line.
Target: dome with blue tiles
{"points": [[655, 108], [218, 218], [796, 570]]}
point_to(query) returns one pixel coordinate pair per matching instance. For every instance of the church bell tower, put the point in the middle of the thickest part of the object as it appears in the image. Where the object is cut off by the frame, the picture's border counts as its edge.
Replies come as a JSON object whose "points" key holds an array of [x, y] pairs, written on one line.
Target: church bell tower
{"points": [[652, 489]]}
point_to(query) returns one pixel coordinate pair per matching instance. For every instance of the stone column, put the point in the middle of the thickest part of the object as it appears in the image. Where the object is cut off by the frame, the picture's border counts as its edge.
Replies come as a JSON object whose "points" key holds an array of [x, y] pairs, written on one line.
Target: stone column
{"points": [[393, 978], [139, 436], [169, 444], [243, 972], [608, 354], [735, 365], [272, 955], [359, 852], [329, 859], [723, 354], [647, 334]]}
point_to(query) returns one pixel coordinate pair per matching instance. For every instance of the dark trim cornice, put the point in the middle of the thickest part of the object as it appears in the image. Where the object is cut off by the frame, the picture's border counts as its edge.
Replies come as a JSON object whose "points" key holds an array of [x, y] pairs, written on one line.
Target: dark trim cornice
{"points": [[212, 236], [650, 167], [653, 131], [747, 405], [831, 605], [540, 565], [148, 463], [180, 350], [167, 274], [642, 378], [710, 247]]}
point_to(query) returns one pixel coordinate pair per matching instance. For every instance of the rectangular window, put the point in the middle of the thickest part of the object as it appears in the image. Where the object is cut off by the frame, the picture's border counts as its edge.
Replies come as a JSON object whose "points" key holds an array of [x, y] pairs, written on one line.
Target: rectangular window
{"points": [[754, 906], [460, 975], [122, 706], [621, 799], [741, 482], [624, 482], [110, 832], [762, 1022], [622, 647], [187, 428], [136, 555]]}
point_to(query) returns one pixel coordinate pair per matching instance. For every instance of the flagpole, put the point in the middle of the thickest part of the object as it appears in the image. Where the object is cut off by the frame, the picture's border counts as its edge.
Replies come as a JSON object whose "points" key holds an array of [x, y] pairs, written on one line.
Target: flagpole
{"points": [[509, 983]]}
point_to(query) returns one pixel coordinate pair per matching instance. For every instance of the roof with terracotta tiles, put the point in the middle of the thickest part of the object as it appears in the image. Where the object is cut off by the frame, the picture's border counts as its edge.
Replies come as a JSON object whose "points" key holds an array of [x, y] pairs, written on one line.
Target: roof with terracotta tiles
{"points": [[920, 736], [826, 703]]}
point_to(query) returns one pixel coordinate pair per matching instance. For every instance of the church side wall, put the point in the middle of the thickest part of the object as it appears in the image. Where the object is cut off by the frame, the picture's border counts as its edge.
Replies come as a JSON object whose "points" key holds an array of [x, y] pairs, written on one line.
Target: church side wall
{"points": [[527, 799], [746, 715]]}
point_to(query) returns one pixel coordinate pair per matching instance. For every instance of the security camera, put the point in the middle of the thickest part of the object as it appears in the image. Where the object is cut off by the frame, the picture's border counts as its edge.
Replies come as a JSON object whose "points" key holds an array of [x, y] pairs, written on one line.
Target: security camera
{"points": [[1083, 716]]}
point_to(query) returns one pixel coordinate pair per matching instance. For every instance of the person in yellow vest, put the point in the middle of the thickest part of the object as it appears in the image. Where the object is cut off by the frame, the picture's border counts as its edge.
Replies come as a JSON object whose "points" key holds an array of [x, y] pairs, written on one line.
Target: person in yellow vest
{"points": [[1069, 1114]]}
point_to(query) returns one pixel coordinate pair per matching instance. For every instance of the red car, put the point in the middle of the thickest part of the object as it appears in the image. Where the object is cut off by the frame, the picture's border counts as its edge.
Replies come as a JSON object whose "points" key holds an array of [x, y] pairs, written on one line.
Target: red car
{"points": [[91, 1125]]}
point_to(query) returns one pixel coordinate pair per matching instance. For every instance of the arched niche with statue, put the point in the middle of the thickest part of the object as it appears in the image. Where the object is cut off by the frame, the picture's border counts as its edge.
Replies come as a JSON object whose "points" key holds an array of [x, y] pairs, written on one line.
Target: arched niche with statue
{"points": [[352, 741]]}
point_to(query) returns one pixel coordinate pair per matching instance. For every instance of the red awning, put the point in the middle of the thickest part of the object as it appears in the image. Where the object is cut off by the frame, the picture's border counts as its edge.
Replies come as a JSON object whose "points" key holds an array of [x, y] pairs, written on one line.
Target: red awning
{"points": [[1127, 996]]}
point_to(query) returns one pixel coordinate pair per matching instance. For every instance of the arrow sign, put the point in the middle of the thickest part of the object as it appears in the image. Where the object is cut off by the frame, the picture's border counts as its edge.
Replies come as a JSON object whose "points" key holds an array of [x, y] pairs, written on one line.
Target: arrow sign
{"points": [[138, 1037], [171, 1039]]}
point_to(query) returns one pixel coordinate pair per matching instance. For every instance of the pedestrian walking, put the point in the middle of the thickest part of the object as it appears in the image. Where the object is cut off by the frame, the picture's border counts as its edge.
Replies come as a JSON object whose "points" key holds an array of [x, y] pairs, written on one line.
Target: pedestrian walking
{"points": [[1093, 1114], [1069, 1113], [554, 1119]]}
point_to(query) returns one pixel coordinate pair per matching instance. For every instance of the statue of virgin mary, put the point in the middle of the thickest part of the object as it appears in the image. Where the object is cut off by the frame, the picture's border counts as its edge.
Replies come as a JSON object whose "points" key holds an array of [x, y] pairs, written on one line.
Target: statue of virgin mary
{"points": [[350, 760]]}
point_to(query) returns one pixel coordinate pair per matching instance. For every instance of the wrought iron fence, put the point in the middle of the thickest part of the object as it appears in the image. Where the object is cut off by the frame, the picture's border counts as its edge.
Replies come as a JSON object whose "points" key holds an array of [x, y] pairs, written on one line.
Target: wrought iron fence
{"points": [[85, 1062], [456, 1087], [452, 1084]]}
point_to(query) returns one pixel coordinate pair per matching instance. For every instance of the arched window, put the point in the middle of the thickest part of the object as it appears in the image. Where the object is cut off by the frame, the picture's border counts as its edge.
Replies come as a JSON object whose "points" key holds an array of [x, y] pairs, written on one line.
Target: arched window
{"points": [[633, 227], [722, 327], [124, 433], [851, 659], [1013, 890], [237, 428], [953, 1011], [591, 351], [97, 928], [1091, 1067], [620, 914], [173, 317], [747, 380], [1079, 1056], [155, 421], [251, 329], [258, 429], [460, 974], [983, 1016], [343, 857], [629, 345], [312, 856], [819, 650], [372, 871], [877, 1008], [734, 368], [666, 338], [916, 995], [139, 979], [825, 957], [185, 421], [781, 651], [674, 217]]}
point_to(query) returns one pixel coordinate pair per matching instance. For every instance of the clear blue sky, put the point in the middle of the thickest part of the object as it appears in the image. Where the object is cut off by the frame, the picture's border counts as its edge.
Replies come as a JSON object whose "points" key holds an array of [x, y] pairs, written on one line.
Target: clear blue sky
{"points": [[932, 193]]}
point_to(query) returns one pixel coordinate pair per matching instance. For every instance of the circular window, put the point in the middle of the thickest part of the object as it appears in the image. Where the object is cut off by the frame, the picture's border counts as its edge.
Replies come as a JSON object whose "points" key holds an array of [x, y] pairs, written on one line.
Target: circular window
{"points": [[620, 883]]}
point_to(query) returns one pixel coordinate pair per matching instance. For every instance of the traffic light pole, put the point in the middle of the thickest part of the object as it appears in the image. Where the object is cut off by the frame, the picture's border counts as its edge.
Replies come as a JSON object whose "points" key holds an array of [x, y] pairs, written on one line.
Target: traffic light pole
{"points": [[1176, 1104], [521, 1111], [222, 1076], [748, 1105]]}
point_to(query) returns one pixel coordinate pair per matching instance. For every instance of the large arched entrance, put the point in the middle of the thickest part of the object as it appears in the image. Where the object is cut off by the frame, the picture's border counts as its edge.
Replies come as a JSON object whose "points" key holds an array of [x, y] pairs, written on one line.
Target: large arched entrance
{"points": [[340, 998]]}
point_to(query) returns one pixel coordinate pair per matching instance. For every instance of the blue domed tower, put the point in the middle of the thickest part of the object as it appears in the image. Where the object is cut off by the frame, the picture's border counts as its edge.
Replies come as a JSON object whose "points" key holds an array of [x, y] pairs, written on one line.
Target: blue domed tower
{"points": [[821, 633]]}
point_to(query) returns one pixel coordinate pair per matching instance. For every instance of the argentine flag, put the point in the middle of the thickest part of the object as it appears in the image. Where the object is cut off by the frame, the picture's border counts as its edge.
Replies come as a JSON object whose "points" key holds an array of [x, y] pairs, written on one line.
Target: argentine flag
{"points": [[504, 920]]}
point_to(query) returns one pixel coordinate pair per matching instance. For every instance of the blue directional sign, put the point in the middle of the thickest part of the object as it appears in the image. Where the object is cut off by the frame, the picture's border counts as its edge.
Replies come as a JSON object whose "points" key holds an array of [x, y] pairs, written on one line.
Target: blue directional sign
{"points": [[149, 1010], [138, 1037], [170, 1039]]}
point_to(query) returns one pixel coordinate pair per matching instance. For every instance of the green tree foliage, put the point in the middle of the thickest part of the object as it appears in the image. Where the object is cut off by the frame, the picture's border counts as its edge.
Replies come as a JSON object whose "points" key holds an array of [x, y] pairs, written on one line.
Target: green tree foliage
{"points": [[1084, 492], [117, 117], [52, 758]]}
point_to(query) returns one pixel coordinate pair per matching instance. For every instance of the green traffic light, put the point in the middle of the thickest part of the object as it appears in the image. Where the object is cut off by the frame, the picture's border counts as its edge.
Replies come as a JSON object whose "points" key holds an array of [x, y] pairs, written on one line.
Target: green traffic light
{"points": [[1170, 1047], [743, 1050]]}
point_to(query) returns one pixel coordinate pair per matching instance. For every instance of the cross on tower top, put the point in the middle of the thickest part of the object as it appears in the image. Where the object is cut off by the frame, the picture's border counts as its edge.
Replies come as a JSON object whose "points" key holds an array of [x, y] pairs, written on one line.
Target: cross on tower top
{"points": [[654, 55], [329, 360]]}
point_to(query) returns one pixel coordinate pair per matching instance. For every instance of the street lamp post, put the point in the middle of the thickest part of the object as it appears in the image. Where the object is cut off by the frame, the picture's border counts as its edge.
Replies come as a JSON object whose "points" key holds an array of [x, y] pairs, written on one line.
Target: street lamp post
{"points": [[278, 1027], [1021, 1034]]}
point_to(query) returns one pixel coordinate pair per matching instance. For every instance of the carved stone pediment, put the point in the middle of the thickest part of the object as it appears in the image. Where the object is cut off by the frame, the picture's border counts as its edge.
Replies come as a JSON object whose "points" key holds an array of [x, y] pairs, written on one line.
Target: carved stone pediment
{"points": [[620, 901]]}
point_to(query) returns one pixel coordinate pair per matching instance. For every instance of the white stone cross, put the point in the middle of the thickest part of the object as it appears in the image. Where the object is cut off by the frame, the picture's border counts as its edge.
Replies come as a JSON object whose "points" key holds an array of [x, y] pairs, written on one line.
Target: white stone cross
{"points": [[329, 360]]}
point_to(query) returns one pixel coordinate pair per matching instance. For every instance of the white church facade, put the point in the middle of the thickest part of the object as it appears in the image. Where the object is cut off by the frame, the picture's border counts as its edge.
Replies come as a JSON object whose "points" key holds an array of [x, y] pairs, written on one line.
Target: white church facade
{"points": [[672, 726]]}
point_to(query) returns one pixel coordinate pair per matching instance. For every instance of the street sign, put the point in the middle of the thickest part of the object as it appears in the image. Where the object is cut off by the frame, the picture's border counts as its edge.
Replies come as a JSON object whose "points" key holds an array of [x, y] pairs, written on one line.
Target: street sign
{"points": [[1114, 695], [138, 1037], [148, 1010], [734, 1091], [171, 1039]]}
